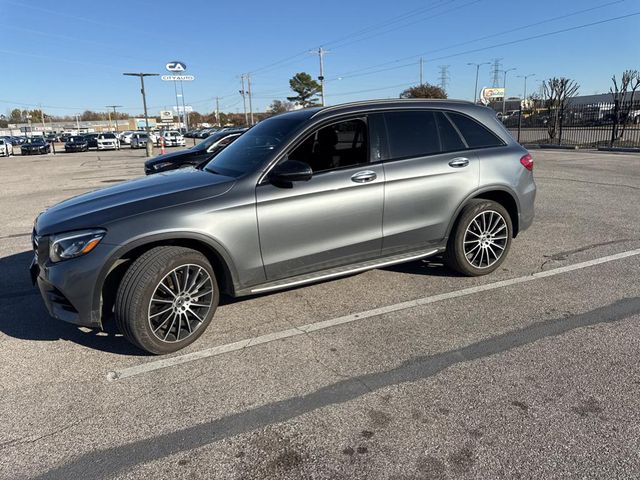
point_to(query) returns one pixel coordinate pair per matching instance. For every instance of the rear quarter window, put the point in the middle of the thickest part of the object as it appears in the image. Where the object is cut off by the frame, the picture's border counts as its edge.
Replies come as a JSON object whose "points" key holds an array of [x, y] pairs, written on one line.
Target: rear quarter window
{"points": [[475, 134]]}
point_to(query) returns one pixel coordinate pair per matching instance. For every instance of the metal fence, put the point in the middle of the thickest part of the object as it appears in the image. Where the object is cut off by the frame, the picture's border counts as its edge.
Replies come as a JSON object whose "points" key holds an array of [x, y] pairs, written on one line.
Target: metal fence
{"points": [[583, 126]]}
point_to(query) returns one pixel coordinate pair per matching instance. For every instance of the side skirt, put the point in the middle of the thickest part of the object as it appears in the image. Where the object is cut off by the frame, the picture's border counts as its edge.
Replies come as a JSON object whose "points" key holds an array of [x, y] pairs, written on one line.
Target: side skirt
{"points": [[337, 272]]}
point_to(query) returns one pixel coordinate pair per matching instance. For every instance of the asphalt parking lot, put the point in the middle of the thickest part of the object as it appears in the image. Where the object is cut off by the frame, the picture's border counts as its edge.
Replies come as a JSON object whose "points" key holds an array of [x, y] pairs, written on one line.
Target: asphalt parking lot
{"points": [[401, 373]]}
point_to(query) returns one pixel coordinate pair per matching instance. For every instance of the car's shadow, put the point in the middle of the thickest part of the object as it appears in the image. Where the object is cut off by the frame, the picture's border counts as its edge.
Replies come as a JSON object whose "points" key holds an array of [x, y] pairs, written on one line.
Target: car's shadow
{"points": [[23, 314]]}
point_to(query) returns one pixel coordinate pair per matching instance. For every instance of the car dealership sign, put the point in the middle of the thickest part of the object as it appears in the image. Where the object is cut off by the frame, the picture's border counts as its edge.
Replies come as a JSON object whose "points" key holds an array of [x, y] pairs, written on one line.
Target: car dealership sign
{"points": [[174, 78], [176, 66]]}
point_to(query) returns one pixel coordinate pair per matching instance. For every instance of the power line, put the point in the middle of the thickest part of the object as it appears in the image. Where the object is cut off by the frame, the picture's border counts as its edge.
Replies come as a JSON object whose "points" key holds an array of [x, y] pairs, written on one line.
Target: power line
{"points": [[489, 47], [486, 37]]}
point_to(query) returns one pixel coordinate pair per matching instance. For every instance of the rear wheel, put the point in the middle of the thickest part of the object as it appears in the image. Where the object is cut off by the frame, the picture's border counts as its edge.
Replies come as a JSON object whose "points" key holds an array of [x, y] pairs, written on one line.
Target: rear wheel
{"points": [[166, 299], [480, 239]]}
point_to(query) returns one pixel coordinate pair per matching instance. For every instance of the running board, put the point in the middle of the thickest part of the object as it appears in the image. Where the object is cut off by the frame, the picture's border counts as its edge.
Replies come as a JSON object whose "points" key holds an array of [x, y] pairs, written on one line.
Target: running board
{"points": [[337, 272]]}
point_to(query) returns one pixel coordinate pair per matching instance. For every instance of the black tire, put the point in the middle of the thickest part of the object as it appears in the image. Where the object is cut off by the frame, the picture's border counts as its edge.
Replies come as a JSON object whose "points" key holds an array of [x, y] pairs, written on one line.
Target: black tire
{"points": [[139, 284], [455, 256]]}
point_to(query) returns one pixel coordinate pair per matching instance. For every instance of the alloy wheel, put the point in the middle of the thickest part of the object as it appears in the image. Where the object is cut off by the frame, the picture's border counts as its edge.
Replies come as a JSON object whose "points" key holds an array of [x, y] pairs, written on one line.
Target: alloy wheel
{"points": [[180, 303], [485, 239]]}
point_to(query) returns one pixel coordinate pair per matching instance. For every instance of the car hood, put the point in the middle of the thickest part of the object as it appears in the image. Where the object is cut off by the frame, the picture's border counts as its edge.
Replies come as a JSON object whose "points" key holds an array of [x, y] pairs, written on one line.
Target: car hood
{"points": [[172, 156], [135, 197]]}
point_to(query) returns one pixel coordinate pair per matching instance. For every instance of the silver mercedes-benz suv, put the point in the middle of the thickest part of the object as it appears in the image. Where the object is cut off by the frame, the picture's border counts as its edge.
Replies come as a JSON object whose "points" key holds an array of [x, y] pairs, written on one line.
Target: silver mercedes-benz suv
{"points": [[301, 197]]}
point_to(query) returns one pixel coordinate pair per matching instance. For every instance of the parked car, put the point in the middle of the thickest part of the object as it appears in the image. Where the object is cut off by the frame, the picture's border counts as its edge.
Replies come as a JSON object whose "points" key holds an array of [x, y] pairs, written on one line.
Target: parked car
{"points": [[35, 145], [18, 140], [92, 139], [52, 137], [301, 197], [193, 156], [125, 137], [77, 143], [172, 138], [6, 148], [139, 140], [107, 141]]}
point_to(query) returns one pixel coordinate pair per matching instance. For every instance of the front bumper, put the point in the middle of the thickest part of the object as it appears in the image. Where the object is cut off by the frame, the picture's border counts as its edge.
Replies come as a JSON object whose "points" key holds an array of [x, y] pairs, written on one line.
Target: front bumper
{"points": [[70, 288]]}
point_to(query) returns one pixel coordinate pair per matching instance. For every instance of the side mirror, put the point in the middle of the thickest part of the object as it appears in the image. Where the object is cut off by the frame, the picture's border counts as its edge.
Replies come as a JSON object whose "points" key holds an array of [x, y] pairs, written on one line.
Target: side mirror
{"points": [[290, 171]]}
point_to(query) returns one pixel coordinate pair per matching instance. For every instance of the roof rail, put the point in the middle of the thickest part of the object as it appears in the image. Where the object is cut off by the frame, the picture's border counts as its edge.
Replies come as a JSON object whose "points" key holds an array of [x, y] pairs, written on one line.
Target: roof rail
{"points": [[387, 101]]}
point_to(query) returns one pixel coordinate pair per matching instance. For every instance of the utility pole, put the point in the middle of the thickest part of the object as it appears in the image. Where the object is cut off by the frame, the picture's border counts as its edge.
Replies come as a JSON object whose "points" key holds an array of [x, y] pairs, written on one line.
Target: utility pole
{"points": [[249, 92], [218, 111], [115, 114], [321, 52], [44, 127], [244, 100], [77, 124], [421, 71], [144, 103], [504, 86], [475, 90], [444, 76]]}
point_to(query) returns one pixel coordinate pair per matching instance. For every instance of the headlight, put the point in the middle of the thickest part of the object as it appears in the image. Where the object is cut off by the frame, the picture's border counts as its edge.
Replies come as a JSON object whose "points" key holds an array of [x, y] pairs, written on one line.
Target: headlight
{"points": [[160, 165], [74, 244]]}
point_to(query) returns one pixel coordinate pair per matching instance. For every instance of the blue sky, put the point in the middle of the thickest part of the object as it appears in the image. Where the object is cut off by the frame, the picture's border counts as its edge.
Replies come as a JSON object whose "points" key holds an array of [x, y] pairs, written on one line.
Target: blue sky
{"points": [[71, 54]]}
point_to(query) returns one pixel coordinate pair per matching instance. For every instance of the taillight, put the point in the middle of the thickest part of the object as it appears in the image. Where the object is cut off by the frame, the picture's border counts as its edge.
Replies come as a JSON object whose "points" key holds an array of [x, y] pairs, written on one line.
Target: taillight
{"points": [[527, 162]]}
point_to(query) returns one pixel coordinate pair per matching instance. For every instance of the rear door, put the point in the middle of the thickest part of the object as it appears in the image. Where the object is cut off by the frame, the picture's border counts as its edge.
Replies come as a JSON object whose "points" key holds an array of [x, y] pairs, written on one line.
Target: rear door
{"points": [[429, 171], [333, 219]]}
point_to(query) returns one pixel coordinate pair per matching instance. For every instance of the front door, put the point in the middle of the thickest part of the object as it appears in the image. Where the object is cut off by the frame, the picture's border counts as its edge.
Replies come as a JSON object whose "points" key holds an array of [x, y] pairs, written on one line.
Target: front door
{"points": [[333, 219]]}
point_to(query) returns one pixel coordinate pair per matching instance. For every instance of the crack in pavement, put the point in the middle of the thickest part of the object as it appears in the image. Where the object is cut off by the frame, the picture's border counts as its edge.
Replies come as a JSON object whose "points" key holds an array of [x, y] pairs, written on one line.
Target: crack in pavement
{"points": [[559, 256], [589, 182], [109, 461]]}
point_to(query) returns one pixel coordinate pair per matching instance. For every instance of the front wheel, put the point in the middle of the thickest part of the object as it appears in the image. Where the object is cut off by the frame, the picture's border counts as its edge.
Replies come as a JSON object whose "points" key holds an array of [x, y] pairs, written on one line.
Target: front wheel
{"points": [[480, 239], [166, 299]]}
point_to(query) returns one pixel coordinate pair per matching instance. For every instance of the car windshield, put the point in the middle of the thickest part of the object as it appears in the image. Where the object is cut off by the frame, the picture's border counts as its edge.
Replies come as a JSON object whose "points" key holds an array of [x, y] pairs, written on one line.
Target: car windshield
{"points": [[76, 139], [252, 148], [108, 135], [35, 140]]}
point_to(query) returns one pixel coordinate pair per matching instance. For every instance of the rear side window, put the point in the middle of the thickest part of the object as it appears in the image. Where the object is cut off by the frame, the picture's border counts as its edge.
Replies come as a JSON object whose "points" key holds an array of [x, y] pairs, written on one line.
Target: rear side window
{"points": [[476, 135], [449, 136], [412, 134]]}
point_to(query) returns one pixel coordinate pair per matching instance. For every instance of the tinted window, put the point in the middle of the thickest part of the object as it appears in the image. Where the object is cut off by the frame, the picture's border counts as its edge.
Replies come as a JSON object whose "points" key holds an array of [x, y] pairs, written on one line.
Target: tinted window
{"points": [[412, 134], [476, 135], [449, 137], [251, 149], [339, 145]]}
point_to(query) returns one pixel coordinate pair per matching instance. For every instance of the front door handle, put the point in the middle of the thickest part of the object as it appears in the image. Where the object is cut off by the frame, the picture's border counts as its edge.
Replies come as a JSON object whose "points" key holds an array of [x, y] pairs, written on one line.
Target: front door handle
{"points": [[459, 162], [364, 176]]}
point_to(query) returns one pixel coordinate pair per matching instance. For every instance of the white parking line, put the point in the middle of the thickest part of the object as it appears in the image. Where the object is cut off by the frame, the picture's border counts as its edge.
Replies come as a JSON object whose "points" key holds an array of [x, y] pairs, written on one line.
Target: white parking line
{"points": [[313, 327]]}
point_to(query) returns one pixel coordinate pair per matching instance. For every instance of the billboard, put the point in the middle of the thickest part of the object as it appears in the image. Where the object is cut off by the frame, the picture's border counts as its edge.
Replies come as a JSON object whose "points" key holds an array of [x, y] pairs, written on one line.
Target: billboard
{"points": [[166, 116], [492, 93]]}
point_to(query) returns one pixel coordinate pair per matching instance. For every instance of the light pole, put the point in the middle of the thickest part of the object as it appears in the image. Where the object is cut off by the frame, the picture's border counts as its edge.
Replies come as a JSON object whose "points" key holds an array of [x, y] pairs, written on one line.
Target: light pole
{"points": [[144, 104], [504, 86], [524, 96], [115, 114], [477, 65]]}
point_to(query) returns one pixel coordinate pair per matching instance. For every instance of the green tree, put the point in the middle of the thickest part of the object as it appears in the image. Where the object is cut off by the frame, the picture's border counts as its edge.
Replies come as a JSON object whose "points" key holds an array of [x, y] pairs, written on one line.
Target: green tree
{"points": [[280, 106], [15, 116], [306, 89], [424, 90]]}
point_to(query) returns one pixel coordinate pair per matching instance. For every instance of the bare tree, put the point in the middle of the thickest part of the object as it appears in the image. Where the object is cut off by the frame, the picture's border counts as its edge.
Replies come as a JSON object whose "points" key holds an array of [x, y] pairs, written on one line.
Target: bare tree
{"points": [[557, 93], [629, 84]]}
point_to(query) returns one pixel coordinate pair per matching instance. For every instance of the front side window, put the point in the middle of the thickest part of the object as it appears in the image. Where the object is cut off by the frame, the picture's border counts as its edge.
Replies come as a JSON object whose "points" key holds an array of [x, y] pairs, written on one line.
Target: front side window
{"points": [[412, 134], [339, 145], [476, 135]]}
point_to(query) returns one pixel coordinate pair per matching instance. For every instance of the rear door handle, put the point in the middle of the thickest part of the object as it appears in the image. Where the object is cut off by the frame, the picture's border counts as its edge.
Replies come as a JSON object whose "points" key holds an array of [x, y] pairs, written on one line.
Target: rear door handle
{"points": [[364, 176], [459, 162]]}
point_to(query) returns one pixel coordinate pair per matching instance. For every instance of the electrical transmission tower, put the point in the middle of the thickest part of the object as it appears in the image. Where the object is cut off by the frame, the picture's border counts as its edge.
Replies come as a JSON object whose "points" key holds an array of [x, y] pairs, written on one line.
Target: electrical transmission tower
{"points": [[444, 76], [496, 70]]}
